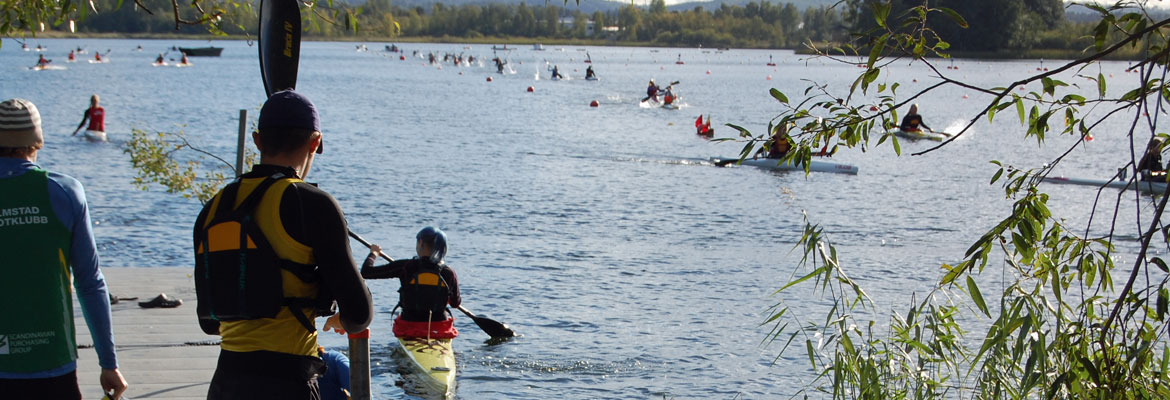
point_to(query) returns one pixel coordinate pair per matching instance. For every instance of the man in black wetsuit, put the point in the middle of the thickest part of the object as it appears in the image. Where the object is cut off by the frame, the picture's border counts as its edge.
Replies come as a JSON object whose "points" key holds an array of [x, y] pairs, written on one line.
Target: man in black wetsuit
{"points": [[278, 357]]}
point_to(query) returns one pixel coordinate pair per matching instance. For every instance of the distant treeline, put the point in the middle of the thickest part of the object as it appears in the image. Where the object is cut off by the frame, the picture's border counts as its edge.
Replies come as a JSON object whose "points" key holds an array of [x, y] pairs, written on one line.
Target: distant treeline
{"points": [[995, 25], [757, 25]]}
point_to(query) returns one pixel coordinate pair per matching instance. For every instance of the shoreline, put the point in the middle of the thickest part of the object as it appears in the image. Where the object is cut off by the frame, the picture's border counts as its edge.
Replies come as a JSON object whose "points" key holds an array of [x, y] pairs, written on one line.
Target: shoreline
{"points": [[1065, 54]]}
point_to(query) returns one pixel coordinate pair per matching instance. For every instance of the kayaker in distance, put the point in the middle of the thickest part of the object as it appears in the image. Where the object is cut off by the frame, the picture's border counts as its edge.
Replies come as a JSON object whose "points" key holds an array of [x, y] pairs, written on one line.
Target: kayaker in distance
{"points": [[912, 121], [71, 57], [778, 146], [652, 91], [428, 287], [668, 97], [1151, 167], [160, 59], [42, 61], [556, 73], [183, 60], [95, 114], [704, 129], [589, 73], [499, 64]]}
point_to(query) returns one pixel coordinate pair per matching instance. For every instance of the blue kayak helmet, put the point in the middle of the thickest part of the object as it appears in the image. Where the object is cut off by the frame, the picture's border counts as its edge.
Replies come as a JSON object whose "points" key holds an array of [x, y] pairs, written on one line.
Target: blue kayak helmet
{"points": [[438, 241]]}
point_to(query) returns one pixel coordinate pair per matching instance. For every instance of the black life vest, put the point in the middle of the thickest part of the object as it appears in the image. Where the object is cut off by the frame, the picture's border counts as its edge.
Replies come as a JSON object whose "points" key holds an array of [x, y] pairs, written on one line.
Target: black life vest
{"points": [[424, 293], [238, 272]]}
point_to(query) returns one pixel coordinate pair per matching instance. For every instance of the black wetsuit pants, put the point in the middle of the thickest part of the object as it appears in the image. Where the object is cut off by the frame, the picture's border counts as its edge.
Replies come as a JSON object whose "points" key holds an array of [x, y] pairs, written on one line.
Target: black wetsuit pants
{"points": [[265, 375]]}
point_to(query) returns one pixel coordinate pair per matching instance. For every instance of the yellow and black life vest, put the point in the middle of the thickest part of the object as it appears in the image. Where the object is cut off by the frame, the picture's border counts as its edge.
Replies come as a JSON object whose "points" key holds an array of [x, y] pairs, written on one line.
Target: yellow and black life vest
{"points": [[424, 293], [247, 266]]}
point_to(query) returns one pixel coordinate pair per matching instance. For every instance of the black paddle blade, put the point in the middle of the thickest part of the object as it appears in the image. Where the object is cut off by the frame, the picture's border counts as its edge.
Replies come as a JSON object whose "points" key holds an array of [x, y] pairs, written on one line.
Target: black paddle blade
{"points": [[493, 328], [280, 44]]}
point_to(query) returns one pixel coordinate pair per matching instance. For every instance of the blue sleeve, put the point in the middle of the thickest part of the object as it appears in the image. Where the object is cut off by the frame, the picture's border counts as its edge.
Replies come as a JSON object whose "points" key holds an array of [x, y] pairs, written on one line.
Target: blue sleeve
{"points": [[338, 366], [68, 200]]}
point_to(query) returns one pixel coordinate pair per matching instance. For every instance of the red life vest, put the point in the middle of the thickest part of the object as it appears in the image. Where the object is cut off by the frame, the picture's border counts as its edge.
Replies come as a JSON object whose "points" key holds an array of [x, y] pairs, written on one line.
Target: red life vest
{"points": [[97, 119]]}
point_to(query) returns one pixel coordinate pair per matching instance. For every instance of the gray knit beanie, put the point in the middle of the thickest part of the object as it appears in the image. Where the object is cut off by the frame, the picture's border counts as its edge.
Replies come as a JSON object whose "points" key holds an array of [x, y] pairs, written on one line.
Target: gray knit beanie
{"points": [[20, 124]]}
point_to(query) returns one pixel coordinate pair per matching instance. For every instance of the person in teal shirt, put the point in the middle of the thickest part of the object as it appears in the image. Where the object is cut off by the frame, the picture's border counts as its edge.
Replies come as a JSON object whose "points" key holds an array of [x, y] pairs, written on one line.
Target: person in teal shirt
{"points": [[47, 242]]}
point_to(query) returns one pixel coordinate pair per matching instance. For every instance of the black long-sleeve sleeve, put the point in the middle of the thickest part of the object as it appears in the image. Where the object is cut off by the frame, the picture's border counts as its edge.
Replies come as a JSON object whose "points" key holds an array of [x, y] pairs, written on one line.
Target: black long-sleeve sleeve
{"points": [[325, 230]]}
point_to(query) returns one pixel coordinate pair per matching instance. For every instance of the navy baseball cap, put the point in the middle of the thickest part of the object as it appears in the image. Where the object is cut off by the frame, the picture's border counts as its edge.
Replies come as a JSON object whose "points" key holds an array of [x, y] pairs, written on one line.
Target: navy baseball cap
{"points": [[288, 109]]}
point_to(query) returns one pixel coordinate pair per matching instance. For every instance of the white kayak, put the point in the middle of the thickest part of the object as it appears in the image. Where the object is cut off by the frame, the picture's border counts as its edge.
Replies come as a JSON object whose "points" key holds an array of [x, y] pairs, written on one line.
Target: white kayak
{"points": [[774, 164], [431, 364], [918, 135], [47, 67], [1155, 187], [95, 136]]}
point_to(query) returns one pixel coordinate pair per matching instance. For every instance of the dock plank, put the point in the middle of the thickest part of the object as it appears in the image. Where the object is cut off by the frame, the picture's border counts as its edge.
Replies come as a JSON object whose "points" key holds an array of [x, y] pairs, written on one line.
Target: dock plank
{"points": [[153, 354]]}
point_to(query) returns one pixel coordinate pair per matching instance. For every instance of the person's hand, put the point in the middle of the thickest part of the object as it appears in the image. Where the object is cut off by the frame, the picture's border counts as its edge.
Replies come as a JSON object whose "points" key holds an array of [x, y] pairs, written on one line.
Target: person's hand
{"points": [[334, 323], [376, 250], [112, 381]]}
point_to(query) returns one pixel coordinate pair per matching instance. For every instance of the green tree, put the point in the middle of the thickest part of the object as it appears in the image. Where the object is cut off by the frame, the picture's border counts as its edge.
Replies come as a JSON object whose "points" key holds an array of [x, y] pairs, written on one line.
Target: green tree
{"points": [[598, 24], [657, 7], [629, 22], [1061, 327]]}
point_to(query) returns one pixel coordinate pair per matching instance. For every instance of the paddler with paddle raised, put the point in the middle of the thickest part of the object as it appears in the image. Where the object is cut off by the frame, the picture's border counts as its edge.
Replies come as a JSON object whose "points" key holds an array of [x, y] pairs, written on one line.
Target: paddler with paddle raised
{"points": [[652, 91], [429, 286], [298, 263]]}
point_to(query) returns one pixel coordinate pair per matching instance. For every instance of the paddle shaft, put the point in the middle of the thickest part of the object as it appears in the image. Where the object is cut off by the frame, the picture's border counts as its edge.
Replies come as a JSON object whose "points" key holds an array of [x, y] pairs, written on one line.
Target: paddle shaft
{"points": [[367, 244]]}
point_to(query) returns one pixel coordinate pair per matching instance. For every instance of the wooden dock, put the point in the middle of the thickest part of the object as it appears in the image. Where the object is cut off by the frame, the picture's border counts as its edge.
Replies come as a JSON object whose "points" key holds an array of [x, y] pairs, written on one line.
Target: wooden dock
{"points": [[161, 351]]}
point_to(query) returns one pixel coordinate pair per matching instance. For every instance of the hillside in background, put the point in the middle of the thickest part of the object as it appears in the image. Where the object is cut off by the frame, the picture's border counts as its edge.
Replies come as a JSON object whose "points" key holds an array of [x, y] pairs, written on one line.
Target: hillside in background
{"points": [[589, 6]]}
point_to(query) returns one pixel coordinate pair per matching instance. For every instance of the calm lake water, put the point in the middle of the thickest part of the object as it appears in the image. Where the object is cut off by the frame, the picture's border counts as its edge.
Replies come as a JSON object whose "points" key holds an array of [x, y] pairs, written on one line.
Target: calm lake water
{"points": [[632, 269]]}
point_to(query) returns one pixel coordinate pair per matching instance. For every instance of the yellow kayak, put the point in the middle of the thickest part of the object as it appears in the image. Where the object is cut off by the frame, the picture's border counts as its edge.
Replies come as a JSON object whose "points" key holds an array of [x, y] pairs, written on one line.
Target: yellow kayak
{"points": [[432, 363]]}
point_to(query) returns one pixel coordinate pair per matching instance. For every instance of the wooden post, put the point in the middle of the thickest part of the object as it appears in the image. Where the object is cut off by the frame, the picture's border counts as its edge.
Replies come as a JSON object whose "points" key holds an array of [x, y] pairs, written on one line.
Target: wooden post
{"points": [[240, 144], [359, 365]]}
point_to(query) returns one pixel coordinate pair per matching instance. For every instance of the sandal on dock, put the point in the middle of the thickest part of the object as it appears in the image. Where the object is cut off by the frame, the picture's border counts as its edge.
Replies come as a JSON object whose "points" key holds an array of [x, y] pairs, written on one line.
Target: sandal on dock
{"points": [[161, 301]]}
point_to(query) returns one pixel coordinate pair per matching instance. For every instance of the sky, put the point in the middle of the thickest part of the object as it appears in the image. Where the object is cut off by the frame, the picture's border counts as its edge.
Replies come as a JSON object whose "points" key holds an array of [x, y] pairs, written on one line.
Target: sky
{"points": [[1163, 4]]}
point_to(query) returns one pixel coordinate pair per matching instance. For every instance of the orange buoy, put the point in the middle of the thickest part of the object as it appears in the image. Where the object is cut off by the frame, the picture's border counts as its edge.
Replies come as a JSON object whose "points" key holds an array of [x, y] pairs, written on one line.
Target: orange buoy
{"points": [[594, 103], [402, 57], [768, 78], [489, 79], [964, 96], [708, 72], [531, 89]]}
